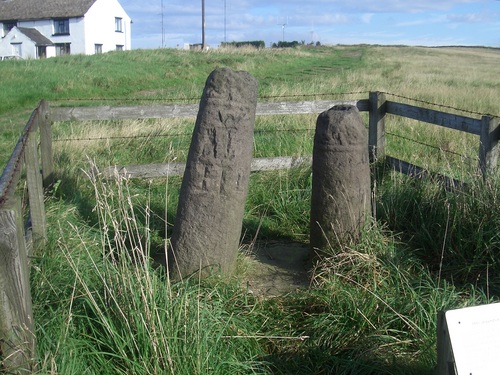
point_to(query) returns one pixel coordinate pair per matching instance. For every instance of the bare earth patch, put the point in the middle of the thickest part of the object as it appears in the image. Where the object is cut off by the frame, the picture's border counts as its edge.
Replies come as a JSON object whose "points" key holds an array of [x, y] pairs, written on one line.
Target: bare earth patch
{"points": [[271, 269], [275, 269]]}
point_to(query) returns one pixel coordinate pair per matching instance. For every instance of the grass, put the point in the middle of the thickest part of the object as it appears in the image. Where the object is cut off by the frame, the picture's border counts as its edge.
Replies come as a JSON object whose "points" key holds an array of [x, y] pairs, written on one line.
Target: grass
{"points": [[464, 221], [101, 305], [372, 308], [112, 312]]}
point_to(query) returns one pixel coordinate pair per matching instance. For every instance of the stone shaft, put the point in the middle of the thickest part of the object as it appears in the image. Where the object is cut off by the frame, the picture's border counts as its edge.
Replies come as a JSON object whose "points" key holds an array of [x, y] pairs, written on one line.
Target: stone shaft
{"points": [[340, 199], [209, 217]]}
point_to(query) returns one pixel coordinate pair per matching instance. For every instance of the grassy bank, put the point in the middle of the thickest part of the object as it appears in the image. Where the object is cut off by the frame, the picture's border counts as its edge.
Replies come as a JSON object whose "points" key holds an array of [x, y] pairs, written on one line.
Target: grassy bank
{"points": [[101, 306], [422, 73]]}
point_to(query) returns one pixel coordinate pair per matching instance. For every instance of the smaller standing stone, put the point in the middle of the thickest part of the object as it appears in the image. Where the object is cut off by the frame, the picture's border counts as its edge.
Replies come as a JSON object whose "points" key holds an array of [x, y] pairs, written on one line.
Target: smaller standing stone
{"points": [[341, 178], [207, 228]]}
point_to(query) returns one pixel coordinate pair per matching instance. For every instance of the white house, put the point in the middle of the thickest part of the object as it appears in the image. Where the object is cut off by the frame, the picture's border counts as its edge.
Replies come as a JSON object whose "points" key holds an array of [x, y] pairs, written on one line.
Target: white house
{"points": [[45, 28]]}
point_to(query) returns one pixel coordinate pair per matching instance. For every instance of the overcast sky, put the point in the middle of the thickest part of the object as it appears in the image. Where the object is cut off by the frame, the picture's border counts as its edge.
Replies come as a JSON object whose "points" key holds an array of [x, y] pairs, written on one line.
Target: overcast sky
{"points": [[419, 22]]}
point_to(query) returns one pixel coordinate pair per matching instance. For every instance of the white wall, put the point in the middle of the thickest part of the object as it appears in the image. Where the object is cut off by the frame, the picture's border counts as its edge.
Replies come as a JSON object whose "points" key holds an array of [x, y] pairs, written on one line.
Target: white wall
{"points": [[75, 37], [51, 51], [5, 46], [100, 26]]}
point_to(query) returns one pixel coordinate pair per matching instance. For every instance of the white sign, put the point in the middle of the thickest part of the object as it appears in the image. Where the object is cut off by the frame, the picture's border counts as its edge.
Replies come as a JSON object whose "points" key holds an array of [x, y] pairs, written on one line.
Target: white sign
{"points": [[475, 339]]}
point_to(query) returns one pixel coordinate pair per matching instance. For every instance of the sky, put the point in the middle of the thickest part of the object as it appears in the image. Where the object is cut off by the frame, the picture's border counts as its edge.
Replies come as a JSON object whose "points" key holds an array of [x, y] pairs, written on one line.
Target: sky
{"points": [[173, 23]]}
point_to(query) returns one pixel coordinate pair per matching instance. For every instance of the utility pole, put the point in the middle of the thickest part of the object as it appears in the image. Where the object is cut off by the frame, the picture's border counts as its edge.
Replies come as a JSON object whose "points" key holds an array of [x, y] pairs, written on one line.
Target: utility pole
{"points": [[203, 46]]}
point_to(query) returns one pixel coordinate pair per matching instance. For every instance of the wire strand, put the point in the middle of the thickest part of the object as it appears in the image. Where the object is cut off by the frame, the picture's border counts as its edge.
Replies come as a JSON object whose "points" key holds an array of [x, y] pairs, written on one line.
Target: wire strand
{"points": [[274, 97], [173, 135], [428, 145], [443, 106]]}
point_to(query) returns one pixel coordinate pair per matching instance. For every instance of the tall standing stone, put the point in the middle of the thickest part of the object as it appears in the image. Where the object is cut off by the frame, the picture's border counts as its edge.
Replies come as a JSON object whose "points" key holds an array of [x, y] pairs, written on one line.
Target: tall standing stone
{"points": [[341, 178], [209, 217]]}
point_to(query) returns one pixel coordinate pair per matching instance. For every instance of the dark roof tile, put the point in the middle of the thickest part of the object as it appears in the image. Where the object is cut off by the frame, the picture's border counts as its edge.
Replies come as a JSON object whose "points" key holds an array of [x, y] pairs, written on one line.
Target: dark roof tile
{"points": [[15, 10], [35, 36]]}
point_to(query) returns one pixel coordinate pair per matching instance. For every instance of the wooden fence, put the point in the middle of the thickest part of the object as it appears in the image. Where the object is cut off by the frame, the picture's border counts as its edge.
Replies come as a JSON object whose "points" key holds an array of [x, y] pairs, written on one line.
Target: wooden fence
{"points": [[17, 336], [378, 107], [17, 340]]}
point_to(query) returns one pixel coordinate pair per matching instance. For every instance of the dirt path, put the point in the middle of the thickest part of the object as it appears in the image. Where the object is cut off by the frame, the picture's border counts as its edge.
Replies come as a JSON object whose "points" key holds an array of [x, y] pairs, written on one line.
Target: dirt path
{"points": [[277, 268], [271, 268]]}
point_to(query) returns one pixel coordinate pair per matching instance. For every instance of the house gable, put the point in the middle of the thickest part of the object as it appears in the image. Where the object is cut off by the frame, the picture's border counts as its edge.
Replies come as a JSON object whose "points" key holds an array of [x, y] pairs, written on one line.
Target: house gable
{"points": [[107, 25]]}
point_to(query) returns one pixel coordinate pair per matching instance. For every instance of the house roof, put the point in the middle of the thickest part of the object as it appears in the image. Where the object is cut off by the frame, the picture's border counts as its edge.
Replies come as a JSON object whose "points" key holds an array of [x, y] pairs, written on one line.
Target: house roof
{"points": [[15, 10], [35, 36]]}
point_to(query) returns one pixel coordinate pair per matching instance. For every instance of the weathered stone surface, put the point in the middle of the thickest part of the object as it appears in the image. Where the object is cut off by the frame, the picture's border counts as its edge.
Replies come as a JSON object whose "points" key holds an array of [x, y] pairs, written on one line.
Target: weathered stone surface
{"points": [[341, 178], [207, 228]]}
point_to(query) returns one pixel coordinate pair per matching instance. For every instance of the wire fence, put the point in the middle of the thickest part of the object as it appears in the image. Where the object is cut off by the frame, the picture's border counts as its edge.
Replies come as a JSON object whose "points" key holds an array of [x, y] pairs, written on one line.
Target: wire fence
{"points": [[196, 99], [257, 132], [279, 97], [462, 157], [441, 106], [270, 131]]}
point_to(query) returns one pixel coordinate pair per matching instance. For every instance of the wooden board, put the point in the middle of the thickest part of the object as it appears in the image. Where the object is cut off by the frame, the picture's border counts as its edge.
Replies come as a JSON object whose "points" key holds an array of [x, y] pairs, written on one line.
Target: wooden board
{"points": [[177, 169], [474, 333], [191, 110], [447, 120]]}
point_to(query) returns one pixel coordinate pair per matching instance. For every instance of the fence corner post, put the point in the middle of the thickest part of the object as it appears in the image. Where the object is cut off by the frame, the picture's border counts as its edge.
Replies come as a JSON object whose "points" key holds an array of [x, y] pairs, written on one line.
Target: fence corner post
{"points": [[35, 186], [46, 144], [488, 145], [376, 126], [17, 336]]}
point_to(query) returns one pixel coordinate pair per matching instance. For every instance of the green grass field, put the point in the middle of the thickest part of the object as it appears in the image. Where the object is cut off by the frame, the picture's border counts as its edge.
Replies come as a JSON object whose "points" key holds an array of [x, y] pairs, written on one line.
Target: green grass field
{"points": [[372, 306]]}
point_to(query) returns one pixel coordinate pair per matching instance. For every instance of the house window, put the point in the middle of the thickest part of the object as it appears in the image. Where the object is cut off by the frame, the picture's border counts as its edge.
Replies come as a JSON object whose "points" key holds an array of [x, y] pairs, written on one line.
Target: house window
{"points": [[63, 49], [119, 47], [98, 48], [41, 52], [61, 26], [118, 25], [8, 25]]}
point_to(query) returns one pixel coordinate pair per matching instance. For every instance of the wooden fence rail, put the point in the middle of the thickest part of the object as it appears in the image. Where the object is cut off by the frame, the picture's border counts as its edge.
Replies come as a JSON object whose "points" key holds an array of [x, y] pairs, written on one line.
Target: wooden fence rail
{"points": [[190, 110], [17, 340], [377, 106]]}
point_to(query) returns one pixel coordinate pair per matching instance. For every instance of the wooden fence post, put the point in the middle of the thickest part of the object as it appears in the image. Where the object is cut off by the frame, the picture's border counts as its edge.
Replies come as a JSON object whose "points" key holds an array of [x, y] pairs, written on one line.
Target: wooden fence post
{"points": [[35, 186], [17, 338], [46, 144], [376, 127], [488, 145]]}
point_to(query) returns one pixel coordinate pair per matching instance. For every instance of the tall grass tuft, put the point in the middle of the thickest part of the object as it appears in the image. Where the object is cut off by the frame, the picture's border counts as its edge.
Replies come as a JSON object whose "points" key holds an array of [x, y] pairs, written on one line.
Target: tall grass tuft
{"points": [[375, 306], [124, 316], [454, 232]]}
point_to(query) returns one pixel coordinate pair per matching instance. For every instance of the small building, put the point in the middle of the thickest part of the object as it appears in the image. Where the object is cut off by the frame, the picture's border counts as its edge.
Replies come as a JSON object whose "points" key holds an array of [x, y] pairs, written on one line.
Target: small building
{"points": [[26, 43], [35, 29]]}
